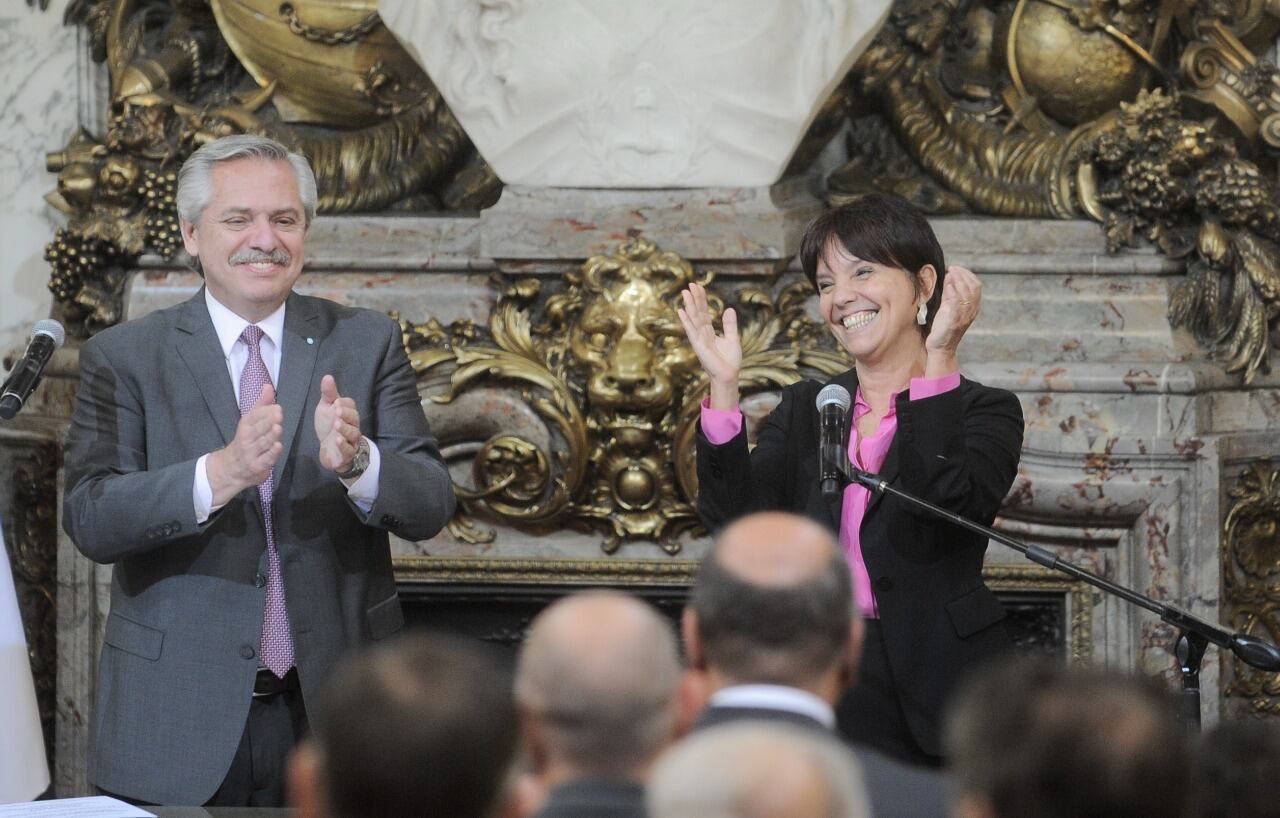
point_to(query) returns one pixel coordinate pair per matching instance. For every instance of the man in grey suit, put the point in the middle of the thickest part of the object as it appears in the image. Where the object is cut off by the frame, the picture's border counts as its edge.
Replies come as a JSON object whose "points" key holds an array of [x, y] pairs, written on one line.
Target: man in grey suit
{"points": [[249, 541], [598, 692], [773, 634]]}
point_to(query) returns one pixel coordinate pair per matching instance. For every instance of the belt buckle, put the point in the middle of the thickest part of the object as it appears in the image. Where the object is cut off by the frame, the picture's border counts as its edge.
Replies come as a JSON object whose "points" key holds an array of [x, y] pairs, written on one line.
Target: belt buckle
{"points": [[268, 680]]}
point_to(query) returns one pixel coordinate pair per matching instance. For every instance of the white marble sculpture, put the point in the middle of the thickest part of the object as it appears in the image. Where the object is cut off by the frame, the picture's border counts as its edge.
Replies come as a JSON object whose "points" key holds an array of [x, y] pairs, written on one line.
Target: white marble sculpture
{"points": [[631, 93]]}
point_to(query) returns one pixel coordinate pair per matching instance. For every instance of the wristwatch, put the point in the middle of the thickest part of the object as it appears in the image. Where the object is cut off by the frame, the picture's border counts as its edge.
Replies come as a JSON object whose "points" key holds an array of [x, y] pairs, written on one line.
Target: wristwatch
{"points": [[359, 462]]}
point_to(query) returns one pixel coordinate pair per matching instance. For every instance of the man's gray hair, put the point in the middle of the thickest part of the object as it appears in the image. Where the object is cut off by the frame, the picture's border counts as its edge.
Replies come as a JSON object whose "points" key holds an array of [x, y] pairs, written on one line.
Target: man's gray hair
{"points": [[604, 707], [757, 770], [195, 180]]}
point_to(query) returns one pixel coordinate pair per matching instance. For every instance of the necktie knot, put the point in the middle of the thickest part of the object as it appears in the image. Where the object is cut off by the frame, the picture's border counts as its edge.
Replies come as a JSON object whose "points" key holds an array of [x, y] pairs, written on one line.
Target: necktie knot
{"points": [[252, 335]]}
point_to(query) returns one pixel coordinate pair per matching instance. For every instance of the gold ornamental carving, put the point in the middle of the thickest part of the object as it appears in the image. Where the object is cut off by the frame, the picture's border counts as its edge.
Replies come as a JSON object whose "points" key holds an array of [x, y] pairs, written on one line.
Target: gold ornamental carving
{"points": [[31, 537], [1251, 579], [604, 364], [323, 76], [1160, 120]]}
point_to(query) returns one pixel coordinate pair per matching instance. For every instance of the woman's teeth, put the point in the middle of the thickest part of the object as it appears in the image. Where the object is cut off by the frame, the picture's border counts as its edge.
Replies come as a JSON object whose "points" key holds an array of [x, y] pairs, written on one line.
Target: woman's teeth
{"points": [[859, 319]]}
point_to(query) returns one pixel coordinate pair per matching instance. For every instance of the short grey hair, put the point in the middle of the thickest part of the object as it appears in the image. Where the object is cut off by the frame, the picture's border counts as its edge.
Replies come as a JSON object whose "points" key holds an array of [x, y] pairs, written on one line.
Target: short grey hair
{"points": [[749, 769], [195, 180], [604, 705]]}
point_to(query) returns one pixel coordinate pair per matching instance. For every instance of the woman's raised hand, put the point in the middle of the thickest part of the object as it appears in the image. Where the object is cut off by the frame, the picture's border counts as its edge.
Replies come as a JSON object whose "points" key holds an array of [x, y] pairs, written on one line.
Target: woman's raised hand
{"points": [[961, 300], [720, 355]]}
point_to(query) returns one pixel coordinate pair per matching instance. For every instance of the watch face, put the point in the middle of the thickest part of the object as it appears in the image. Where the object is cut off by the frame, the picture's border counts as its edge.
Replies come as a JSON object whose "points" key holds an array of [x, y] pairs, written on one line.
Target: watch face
{"points": [[359, 462]]}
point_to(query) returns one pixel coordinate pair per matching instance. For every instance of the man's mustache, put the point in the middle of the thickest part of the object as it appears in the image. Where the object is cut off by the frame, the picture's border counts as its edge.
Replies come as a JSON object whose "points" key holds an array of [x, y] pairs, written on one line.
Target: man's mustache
{"points": [[258, 257]]}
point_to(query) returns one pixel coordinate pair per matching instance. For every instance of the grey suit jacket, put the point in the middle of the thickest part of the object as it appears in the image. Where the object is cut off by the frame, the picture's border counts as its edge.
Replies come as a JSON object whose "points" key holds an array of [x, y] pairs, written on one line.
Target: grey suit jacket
{"points": [[896, 789], [595, 797], [177, 668]]}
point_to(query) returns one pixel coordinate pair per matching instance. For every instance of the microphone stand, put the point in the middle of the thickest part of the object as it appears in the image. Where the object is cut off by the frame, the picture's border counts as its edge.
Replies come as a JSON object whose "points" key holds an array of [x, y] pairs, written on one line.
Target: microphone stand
{"points": [[1194, 633]]}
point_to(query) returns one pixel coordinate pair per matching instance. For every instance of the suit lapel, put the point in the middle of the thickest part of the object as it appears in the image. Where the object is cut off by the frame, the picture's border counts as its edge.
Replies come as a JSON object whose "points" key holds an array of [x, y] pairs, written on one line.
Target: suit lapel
{"points": [[889, 468], [297, 366], [198, 346], [849, 380]]}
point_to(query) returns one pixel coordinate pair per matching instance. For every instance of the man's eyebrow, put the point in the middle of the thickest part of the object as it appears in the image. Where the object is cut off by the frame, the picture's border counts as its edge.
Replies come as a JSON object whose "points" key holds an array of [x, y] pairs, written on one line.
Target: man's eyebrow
{"points": [[240, 211]]}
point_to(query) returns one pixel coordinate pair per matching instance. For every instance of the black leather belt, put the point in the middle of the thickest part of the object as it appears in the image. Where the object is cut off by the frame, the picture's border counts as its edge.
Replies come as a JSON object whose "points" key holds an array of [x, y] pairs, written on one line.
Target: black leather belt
{"points": [[269, 684]]}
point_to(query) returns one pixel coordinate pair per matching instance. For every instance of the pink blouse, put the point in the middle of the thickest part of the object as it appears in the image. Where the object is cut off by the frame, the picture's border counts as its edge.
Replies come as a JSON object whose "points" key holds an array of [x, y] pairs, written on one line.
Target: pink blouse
{"points": [[866, 453]]}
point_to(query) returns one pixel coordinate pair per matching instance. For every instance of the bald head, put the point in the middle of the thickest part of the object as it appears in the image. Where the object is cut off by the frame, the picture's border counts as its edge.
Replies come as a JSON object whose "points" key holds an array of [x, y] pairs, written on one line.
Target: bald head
{"points": [[599, 674], [773, 604], [757, 770], [774, 549]]}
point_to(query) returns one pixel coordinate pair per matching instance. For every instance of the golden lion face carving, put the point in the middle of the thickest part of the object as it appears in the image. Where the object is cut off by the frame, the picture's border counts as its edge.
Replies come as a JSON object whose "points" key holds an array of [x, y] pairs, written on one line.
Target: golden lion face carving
{"points": [[630, 340]]}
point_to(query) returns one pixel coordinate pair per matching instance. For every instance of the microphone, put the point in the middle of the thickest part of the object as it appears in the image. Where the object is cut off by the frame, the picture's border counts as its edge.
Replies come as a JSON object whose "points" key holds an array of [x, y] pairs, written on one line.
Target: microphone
{"points": [[833, 403], [47, 336]]}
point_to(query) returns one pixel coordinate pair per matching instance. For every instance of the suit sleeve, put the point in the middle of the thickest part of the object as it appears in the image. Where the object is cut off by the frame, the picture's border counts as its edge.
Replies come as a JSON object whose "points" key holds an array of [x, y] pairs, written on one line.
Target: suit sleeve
{"points": [[960, 449], [116, 504], [733, 482], [415, 493]]}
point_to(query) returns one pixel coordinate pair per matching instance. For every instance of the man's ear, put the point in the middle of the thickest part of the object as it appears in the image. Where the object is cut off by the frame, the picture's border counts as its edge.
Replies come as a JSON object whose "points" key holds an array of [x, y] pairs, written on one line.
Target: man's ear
{"points": [[853, 650], [305, 782], [692, 639], [971, 805], [535, 745], [189, 238], [691, 699], [856, 636]]}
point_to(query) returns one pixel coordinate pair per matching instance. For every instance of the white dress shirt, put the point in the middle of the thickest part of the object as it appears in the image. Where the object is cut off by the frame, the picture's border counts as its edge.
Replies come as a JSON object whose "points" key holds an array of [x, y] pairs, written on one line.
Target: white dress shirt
{"points": [[776, 697], [362, 490]]}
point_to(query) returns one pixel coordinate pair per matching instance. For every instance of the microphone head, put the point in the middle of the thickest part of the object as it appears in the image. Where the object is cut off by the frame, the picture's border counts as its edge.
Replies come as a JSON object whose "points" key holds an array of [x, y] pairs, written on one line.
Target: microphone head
{"points": [[52, 329], [834, 393]]}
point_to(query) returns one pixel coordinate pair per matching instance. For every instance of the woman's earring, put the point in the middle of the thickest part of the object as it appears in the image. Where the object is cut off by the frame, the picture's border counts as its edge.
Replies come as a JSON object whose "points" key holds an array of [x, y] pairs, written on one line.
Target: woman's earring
{"points": [[922, 314]]}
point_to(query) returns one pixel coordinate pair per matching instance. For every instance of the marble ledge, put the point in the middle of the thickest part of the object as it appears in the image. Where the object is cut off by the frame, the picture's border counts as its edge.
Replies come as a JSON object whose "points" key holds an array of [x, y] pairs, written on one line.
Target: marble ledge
{"points": [[1072, 264], [1136, 378], [747, 224], [536, 231]]}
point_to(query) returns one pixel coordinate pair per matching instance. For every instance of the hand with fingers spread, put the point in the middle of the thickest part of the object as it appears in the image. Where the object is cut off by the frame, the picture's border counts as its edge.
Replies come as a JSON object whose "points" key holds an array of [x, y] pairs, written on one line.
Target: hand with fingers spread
{"points": [[720, 355], [249, 458], [961, 301], [337, 427]]}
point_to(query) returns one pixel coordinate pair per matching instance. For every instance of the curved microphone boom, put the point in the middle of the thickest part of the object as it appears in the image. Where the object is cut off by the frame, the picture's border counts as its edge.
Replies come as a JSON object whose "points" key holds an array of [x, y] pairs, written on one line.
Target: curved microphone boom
{"points": [[47, 336], [833, 404]]}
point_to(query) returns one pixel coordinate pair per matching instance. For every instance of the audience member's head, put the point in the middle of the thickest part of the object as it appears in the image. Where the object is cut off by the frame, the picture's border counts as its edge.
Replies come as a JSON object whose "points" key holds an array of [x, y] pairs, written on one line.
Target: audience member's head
{"points": [[772, 604], [1035, 739], [1236, 771], [757, 770], [423, 724], [597, 686]]}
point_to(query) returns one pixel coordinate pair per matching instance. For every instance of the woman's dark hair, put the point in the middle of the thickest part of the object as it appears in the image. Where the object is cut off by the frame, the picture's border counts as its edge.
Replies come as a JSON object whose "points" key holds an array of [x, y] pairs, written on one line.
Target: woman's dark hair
{"points": [[880, 228]]}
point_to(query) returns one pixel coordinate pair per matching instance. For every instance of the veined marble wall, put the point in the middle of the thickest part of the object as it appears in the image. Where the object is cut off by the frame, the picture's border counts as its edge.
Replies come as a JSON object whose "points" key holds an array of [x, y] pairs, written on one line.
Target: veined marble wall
{"points": [[46, 90]]}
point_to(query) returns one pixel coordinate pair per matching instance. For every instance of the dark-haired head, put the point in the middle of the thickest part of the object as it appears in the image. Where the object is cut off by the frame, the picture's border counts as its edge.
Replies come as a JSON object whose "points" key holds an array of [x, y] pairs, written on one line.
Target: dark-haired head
{"points": [[880, 228]]}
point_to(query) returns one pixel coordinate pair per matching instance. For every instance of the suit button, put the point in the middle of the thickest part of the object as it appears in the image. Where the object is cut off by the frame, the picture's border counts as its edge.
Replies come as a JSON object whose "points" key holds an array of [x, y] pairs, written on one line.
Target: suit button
{"points": [[177, 526], [386, 519], [246, 651], [259, 581], [150, 533], [717, 473], [884, 584]]}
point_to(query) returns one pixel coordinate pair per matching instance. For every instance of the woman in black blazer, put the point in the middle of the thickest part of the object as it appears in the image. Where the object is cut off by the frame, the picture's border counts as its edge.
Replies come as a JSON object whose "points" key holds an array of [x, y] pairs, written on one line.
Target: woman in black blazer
{"points": [[887, 296]]}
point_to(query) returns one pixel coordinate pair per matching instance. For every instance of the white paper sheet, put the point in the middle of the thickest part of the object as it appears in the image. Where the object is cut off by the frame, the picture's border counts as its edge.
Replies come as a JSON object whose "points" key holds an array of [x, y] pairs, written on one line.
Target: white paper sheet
{"points": [[96, 807]]}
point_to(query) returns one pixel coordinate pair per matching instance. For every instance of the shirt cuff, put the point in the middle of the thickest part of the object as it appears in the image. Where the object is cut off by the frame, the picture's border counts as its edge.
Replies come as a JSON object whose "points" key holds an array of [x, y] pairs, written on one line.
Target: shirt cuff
{"points": [[363, 490], [202, 492], [929, 387], [718, 426]]}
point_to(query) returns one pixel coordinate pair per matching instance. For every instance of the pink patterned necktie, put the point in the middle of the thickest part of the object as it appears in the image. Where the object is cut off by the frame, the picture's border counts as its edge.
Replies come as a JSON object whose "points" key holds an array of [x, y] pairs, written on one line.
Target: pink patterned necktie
{"points": [[277, 641]]}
